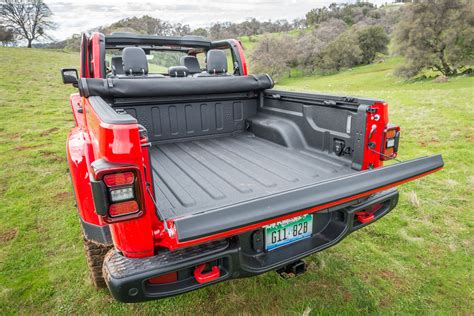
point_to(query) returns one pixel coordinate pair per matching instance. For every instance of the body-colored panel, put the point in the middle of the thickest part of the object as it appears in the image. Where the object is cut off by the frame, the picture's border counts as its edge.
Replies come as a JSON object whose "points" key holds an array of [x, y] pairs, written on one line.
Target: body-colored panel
{"points": [[80, 176], [122, 144], [375, 127]]}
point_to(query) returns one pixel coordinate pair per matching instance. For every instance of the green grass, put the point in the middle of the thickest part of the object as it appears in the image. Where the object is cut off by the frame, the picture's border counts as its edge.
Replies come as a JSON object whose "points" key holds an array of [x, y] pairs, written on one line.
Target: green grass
{"points": [[418, 259]]}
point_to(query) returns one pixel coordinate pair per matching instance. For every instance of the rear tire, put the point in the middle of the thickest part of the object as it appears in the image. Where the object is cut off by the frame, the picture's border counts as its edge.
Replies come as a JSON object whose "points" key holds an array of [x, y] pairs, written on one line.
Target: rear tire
{"points": [[95, 254]]}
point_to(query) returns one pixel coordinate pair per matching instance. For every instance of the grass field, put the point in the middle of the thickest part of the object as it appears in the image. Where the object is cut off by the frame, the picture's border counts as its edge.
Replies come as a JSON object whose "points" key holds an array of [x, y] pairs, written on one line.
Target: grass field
{"points": [[418, 259]]}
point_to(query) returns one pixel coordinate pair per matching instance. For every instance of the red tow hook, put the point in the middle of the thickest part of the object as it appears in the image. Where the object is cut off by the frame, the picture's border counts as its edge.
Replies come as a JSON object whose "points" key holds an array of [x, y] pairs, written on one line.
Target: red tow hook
{"points": [[206, 277], [364, 217]]}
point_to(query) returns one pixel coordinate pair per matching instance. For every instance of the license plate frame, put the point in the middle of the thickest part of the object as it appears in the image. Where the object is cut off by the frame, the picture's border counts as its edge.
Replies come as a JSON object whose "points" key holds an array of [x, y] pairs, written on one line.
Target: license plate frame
{"points": [[283, 233]]}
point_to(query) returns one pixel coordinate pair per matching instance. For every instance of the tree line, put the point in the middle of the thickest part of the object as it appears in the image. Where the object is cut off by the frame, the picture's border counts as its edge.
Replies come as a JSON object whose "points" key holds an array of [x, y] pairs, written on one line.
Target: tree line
{"points": [[429, 34]]}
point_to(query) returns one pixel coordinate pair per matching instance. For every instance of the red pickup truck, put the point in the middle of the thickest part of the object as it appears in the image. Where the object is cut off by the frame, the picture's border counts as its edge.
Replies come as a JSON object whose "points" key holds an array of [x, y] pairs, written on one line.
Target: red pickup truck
{"points": [[189, 171]]}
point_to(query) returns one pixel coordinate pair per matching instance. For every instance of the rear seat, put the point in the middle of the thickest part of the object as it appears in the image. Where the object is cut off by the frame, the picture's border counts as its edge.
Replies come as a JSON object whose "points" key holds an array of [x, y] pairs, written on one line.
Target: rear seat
{"points": [[192, 63], [135, 64], [178, 71]]}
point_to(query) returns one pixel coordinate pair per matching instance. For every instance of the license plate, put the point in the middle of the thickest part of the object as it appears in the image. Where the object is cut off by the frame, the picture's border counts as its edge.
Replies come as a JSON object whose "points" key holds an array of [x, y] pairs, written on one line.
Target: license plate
{"points": [[288, 231]]}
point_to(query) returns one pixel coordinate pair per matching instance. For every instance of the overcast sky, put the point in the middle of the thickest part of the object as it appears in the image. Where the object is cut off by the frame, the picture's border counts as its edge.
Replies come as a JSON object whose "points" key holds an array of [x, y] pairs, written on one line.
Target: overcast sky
{"points": [[77, 16]]}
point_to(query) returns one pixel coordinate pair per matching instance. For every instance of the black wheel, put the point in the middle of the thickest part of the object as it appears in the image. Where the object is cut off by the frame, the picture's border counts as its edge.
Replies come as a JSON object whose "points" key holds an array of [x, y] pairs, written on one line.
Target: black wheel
{"points": [[95, 254]]}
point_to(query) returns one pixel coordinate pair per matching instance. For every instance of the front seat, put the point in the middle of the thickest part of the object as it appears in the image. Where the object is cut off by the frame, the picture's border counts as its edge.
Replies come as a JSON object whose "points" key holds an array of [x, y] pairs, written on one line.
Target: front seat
{"points": [[191, 63], [216, 64], [134, 61]]}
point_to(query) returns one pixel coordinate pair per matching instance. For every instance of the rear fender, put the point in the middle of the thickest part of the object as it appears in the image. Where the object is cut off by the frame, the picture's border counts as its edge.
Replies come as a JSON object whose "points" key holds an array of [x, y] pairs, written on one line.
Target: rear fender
{"points": [[80, 177]]}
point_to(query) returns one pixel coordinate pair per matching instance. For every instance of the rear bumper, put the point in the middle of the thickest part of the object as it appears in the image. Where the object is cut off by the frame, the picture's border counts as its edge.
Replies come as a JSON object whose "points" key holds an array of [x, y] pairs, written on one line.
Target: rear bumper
{"points": [[236, 257]]}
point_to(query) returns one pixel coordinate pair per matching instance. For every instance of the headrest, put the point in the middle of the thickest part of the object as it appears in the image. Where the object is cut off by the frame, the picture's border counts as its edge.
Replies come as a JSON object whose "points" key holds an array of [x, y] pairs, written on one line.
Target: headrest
{"points": [[216, 62], [117, 66], [134, 61], [178, 71], [191, 63]]}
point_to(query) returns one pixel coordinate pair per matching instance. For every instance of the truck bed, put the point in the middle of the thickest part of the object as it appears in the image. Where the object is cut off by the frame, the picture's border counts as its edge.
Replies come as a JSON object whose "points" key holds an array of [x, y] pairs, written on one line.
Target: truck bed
{"points": [[192, 177]]}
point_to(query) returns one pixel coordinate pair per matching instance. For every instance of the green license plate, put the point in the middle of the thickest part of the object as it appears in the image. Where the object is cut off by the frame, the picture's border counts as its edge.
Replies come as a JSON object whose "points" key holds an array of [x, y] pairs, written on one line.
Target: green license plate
{"points": [[288, 231]]}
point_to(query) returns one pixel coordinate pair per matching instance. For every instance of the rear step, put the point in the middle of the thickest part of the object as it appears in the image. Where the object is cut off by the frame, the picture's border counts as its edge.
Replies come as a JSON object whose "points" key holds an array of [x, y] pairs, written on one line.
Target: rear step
{"points": [[234, 219]]}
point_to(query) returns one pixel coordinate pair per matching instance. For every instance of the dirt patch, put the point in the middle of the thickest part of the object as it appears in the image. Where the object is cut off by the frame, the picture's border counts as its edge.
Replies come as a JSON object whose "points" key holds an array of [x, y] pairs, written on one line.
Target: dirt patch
{"points": [[8, 235], [49, 131], [441, 79], [346, 295], [63, 196], [52, 156], [392, 278], [426, 143], [23, 148]]}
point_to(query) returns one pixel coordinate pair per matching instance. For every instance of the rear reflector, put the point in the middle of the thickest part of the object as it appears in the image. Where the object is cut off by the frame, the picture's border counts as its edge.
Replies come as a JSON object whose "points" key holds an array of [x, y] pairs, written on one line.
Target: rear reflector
{"points": [[116, 179], [165, 278], [123, 208]]}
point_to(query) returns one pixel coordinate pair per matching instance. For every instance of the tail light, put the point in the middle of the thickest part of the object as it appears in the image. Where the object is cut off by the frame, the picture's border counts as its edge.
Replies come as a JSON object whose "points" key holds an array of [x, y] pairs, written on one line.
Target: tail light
{"points": [[117, 194], [390, 141], [122, 193]]}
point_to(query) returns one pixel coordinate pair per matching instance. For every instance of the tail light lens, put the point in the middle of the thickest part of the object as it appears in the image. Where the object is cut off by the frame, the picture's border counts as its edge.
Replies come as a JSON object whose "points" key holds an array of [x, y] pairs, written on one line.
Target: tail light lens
{"points": [[116, 179], [390, 142], [121, 187], [123, 208]]}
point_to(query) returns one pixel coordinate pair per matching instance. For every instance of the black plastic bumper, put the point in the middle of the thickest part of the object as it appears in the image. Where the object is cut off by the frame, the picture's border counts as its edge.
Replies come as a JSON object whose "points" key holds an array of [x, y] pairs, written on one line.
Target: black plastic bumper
{"points": [[237, 257]]}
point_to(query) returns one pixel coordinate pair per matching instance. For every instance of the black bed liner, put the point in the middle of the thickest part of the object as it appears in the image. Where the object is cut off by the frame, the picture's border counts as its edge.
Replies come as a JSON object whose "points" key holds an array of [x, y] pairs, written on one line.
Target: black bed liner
{"points": [[212, 185], [197, 176]]}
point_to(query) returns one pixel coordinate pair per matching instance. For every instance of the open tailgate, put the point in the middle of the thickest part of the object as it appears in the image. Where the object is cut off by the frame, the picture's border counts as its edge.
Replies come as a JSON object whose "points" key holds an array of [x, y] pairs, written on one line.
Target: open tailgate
{"points": [[309, 198]]}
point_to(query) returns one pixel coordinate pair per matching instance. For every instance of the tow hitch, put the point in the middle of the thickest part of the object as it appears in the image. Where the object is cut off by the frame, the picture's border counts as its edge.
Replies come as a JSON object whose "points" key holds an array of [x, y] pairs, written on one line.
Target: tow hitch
{"points": [[292, 270]]}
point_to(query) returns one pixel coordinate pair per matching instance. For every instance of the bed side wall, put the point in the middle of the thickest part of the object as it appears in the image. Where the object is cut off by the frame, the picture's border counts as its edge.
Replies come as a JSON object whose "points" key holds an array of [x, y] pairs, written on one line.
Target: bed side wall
{"points": [[185, 120]]}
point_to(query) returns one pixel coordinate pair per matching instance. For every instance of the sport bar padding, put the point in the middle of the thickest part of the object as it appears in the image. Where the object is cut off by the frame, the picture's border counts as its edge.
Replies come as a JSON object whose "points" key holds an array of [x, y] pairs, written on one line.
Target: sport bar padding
{"points": [[157, 87]]}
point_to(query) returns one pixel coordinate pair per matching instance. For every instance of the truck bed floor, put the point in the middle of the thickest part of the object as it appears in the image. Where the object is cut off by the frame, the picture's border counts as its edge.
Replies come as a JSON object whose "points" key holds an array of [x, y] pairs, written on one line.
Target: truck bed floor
{"points": [[198, 176]]}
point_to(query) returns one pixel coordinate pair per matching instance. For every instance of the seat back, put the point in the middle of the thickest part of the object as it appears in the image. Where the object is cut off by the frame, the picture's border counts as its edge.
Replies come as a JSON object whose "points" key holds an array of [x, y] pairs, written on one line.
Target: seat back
{"points": [[134, 61], [117, 65], [192, 63], [216, 62]]}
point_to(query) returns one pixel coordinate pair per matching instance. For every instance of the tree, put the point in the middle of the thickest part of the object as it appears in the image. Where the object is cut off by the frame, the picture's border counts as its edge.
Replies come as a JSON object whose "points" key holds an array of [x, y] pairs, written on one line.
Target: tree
{"points": [[28, 19], [436, 34], [201, 32], [343, 52], [310, 45], [349, 13], [274, 55], [372, 40], [6, 35]]}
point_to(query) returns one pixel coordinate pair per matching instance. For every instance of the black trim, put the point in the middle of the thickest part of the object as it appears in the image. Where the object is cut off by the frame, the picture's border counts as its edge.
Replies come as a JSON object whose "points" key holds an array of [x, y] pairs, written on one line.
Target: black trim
{"points": [[83, 53], [99, 194], [103, 69], [107, 114], [347, 102], [96, 233], [127, 39], [273, 206]]}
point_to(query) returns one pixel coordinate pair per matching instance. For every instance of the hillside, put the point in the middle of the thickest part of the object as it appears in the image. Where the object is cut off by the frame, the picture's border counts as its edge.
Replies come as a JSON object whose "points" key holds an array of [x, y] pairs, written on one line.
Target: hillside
{"points": [[418, 259]]}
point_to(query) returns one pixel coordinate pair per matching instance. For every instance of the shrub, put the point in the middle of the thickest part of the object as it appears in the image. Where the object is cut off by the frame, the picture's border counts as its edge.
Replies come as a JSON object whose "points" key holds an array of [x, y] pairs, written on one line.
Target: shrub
{"points": [[372, 40]]}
